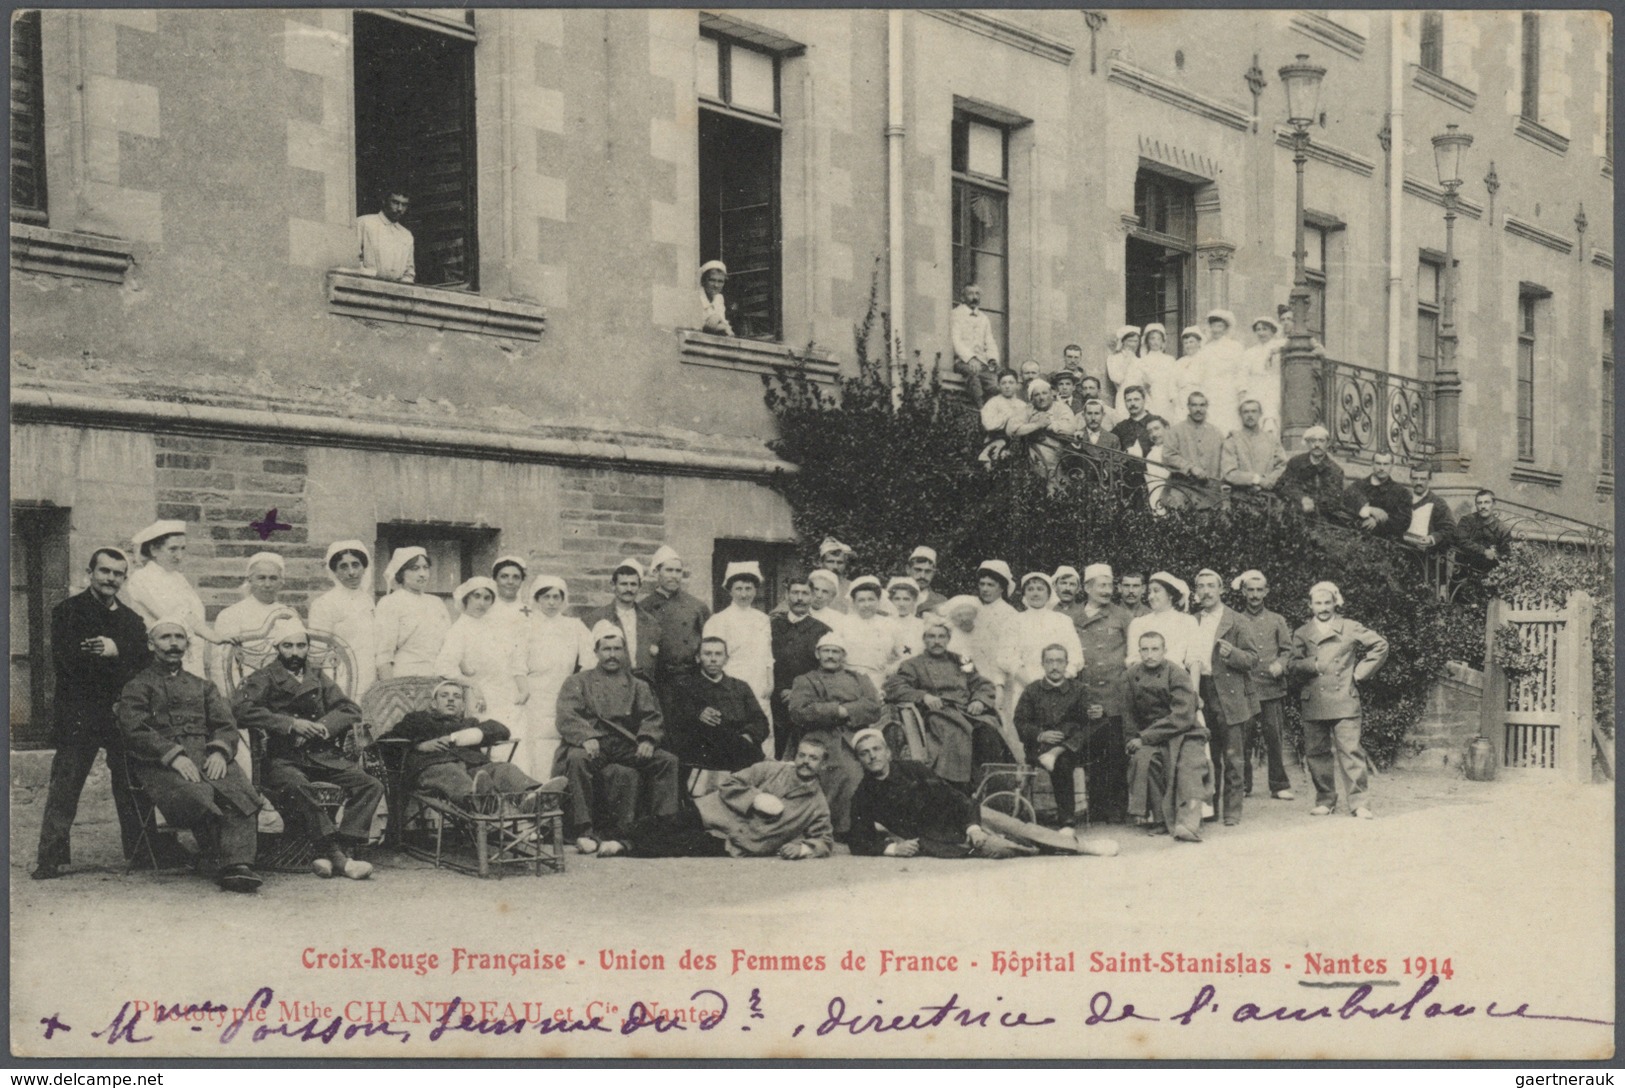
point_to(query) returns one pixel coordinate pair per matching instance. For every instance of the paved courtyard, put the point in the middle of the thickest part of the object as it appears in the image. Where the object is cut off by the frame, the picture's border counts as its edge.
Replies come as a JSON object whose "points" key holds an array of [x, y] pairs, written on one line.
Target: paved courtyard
{"points": [[1511, 881]]}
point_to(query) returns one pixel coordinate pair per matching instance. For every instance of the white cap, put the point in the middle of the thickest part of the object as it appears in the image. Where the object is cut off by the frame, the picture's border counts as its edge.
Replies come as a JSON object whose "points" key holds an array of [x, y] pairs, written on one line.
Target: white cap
{"points": [[339, 546], [1038, 385], [1124, 332], [604, 629], [903, 583], [867, 581], [399, 558], [479, 581], [922, 552], [1247, 578], [663, 555], [628, 564], [1097, 570], [171, 620], [823, 575], [999, 569], [167, 527], [1049, 583], [546, 581], [752, 570], [1328, 587], [285, 628], [1062, 571], [832, 638], [272, 558], [862, 734], [830, 545], [505, 560], [1182, 591]]}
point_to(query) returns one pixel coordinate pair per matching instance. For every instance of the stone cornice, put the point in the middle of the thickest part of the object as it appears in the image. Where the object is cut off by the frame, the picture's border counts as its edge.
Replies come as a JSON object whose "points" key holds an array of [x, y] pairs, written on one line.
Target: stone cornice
{"points": [[1445, 90], [1434, 195], [67, 253], [750, 356], [1518, 228], [1331, 154], [354, 294], [1004, 31], [1124, 74], [1314, 25], [1602, 258], [1541, 136]]}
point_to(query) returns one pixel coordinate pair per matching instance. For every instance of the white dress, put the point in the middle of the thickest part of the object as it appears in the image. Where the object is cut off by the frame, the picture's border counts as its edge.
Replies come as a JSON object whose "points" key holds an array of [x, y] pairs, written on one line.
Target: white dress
{"points": [[1161, 372], [1178, 630], [247, 616], [410, 628], [749, 635], [1262, 382], [908, 639], [871, 646], [156, 593], [348, 613], [476, 651], [1223, 364], [552, 649]]}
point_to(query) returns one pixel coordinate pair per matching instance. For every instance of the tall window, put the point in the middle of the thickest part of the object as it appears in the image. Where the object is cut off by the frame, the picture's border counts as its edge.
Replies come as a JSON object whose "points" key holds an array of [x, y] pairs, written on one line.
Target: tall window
{"points": [[1429, 276], [1432, 58], [1316, 242], [1531, 66], [740, 132], [1608, 124], [455, 552], [1607, 428], [981, 234], [39, 580], [414, 124], [1159, 254], [27, 120], [1528, 306]]}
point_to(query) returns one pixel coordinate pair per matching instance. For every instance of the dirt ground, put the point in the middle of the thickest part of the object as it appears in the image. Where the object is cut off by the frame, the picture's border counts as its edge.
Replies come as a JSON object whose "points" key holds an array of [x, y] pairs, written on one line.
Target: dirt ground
{"points": [[1512, 881]]}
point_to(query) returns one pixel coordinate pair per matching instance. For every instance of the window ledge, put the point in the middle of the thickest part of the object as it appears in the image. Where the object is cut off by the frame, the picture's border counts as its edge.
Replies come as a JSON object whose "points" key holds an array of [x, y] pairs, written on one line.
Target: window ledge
{"points": [[1445, 90], [1607, 167], [1312, 24], [1529, 474], [66, 253], [1538, 134], [750, 356], [356, 294], [1605, 484]]}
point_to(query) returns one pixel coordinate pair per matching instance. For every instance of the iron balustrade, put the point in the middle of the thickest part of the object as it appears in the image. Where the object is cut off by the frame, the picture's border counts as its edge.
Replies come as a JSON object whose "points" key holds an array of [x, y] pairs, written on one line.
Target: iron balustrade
{"points": [[1373, 411]]}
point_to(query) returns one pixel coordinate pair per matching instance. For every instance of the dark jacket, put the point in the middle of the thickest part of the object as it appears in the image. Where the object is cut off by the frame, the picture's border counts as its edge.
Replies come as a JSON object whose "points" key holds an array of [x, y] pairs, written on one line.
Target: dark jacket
{"points": [[1272, 638], [164, 716], [795, 648], [911, 803], [422, 725], [646, 654], [88, 685], [1442, 523], [681, 619], [273, 698], [1323, 483], [1104, 638], [1232, 677], [594, 704], [1475, 534], [1329, 664], [1062, 707], [1391, 497], [692, 692], [1161, 704]]}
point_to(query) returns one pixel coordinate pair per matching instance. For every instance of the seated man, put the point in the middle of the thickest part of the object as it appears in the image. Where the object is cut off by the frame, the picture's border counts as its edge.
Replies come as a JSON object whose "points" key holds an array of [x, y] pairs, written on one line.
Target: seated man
{"points": [[1053, 724], [448, 756], [305, 718], [829, 704], [611, 727], [957, 705], [1046, 427], [714, 720], [182, 738], [901, 810], [766, 809], [1167, 780]]}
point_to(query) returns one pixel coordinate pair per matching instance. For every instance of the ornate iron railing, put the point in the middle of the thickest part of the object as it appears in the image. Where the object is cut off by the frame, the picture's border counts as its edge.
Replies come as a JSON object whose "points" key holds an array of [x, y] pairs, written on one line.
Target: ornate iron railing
{"points": [[1372, 411]]}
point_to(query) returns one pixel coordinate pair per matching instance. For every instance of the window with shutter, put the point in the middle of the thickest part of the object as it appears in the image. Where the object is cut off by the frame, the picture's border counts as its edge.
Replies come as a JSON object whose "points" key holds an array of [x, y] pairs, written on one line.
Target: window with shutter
{"points": [[1531, 66], [981, 217], [414, 117], [1432, 58], [27, 120]]}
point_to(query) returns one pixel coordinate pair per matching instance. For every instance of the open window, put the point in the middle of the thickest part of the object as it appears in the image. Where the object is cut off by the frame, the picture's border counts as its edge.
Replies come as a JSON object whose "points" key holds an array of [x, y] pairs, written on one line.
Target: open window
{"points": [[414, 123], [981, 216], [39, 581], [1159, 254]]}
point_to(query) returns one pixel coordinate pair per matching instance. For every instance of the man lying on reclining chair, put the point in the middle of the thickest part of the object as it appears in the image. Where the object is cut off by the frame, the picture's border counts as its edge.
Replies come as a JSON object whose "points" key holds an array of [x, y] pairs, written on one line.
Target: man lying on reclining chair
{"points": [[448, 757]]}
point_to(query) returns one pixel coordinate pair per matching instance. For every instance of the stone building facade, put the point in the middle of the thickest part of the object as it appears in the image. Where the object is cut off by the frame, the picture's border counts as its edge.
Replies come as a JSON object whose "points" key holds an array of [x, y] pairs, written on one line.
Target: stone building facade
{"points": [[190, 337]]}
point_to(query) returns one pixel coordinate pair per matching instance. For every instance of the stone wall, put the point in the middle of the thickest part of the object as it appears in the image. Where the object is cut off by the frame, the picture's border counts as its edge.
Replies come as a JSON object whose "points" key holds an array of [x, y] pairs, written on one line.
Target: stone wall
{"points": [[1450, 720]]}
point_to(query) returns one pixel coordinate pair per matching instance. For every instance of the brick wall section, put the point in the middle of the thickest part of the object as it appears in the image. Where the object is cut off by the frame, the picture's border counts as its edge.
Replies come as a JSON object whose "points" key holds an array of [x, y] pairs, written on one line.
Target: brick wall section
{"points": [[605, 515], [218, 487]]}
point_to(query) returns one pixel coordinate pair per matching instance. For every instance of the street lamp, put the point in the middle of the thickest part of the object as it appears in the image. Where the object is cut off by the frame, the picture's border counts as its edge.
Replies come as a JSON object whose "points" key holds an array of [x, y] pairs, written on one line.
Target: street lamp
{"points": [[1302, 82], [1447, 150]]}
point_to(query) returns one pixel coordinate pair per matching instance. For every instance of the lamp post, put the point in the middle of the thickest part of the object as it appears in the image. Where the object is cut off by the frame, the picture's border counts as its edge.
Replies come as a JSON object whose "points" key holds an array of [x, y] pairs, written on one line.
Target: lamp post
{"points": [[1298, 401], [1447, 149]]}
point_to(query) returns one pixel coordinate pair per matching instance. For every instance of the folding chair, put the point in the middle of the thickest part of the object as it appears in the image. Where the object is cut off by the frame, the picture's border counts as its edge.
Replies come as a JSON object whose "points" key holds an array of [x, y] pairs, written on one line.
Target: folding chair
{"points": [[491, 835], [149, 821]]}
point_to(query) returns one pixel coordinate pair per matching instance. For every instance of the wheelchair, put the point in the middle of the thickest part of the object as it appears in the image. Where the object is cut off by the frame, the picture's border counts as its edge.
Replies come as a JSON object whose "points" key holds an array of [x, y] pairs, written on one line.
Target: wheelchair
{"points": [[492, 835]]}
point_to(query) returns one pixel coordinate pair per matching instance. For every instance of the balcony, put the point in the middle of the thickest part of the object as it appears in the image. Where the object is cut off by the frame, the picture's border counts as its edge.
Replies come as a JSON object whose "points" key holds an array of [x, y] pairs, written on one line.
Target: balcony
{"points": [[1372, 411]]}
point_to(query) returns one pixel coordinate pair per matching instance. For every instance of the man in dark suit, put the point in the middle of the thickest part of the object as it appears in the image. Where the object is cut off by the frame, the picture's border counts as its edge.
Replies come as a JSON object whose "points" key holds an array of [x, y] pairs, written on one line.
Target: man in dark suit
{"points": [[795, 651], [97, 645], [1228, 701], [306, 717], [713, 720], [640, 626], [680, 620]]}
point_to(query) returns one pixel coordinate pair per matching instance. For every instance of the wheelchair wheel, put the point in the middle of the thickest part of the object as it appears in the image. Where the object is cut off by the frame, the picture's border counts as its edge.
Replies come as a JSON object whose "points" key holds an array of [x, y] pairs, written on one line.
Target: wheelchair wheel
{"points": [[1012, 803]]}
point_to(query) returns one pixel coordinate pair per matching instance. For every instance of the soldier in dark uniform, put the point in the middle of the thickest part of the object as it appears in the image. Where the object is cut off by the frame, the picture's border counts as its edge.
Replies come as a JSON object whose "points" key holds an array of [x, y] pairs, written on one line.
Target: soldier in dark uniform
{"points": [[97, 644], [795, 651]]}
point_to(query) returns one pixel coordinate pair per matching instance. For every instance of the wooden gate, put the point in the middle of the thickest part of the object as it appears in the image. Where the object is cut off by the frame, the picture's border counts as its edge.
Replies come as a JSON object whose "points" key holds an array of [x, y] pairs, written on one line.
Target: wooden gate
{"points": [[1542, 718]]}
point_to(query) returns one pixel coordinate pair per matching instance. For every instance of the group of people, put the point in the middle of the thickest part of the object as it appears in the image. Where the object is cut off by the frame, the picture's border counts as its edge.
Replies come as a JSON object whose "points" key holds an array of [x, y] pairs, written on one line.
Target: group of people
{"points": [[664, 729]]}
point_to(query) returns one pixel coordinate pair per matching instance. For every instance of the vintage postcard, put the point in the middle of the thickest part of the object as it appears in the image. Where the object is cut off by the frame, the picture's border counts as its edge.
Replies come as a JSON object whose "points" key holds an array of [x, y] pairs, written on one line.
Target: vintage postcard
{"points": [[812, 534]]}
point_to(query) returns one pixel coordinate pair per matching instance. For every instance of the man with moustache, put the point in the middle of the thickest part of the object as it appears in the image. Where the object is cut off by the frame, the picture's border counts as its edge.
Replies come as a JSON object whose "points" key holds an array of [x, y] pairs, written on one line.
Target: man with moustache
{"points": [[922, 567], [1251, 458], [1223, 660], [97, 645], [679, 619], [637, 623], [1432, 526], [957, 707], [305, 717], [1312, 480], [1191, 450], [795, 651], [1273, 640], [1379, 504], [1131, 594], [713, 721], [1103, 633], [183, 740]]}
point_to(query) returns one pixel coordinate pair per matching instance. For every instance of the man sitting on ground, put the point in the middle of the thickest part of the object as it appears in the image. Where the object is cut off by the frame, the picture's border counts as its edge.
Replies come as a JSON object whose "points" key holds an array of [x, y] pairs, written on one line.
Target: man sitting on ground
{"points": [[305, 717], [923, 815], [767, 809], [182, 738], [715, 721], [449, 758], [957, 707]]}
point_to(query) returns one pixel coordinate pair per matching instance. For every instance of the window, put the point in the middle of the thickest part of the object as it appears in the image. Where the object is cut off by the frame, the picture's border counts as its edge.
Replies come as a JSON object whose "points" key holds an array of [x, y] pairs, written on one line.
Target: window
{"points": [[1528, 305], [740, 132], [1608, 121], [1607, 427], [778, 562], [981, 211], [1316, 243], [1159, 254], [456, 552], [414, 123], [1432, 58], [27, 120], [1531, 66], [39, 581], [1429, 281]]}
